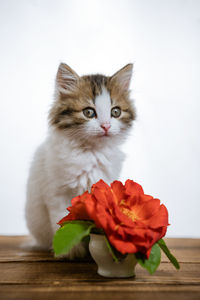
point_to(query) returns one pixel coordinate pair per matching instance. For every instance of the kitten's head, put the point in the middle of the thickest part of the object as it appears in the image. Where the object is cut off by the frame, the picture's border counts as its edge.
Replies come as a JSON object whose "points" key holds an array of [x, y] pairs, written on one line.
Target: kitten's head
{"points": [[92, 108]]}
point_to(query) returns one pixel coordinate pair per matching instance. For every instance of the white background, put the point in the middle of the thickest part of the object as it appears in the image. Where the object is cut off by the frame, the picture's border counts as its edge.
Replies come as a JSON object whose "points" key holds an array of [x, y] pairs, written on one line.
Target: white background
{"points": [[162, 38]]}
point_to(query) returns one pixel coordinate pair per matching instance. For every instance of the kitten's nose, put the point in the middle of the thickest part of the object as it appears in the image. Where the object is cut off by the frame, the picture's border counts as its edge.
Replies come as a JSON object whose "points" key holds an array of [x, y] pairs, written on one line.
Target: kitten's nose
{"points": [[106, 127]]}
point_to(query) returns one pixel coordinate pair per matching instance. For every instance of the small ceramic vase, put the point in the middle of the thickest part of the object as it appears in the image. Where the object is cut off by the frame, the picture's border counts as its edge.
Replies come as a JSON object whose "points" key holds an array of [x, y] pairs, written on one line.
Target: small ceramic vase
{"points": [[107, 267]]}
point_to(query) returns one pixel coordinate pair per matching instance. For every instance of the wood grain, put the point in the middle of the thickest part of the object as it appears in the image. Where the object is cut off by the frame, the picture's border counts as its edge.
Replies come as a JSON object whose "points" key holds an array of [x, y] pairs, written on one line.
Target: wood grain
{"points": [[28, 274]]}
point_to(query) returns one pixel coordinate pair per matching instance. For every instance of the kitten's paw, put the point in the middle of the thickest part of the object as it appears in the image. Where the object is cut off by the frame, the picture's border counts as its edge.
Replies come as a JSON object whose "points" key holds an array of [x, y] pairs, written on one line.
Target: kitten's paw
{"points": [[78, 252], [30, 244]]}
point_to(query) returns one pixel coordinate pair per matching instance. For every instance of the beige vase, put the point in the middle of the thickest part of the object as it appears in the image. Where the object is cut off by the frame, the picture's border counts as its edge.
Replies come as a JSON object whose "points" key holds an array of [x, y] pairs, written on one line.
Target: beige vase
{"points": [[107, 267]]}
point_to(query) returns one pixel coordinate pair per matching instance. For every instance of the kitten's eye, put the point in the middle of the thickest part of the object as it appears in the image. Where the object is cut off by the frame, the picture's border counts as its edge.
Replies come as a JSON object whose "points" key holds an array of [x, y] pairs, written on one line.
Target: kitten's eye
{"points": [[116, 112], [89, 113]]}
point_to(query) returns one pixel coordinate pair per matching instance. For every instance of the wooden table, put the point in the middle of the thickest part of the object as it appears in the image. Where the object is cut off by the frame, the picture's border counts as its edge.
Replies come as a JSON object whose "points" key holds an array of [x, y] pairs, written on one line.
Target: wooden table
{"points": [[27, 275]]}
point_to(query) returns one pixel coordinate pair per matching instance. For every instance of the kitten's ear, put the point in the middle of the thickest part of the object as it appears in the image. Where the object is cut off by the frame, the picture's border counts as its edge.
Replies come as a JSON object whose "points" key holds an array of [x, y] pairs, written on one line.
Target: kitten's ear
{"points": [[123, 76], [66, 79]]}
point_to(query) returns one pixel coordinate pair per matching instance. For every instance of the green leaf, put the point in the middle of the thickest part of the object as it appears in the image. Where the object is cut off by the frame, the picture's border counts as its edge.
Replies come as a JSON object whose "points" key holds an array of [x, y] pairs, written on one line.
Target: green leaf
{"points": [[69, 235], [165, 249], [153, 262], [111, 250]]}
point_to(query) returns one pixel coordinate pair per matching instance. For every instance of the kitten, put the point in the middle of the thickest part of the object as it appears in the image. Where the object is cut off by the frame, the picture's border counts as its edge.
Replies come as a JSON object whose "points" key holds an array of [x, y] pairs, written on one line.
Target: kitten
{"points": [[88, 121]]}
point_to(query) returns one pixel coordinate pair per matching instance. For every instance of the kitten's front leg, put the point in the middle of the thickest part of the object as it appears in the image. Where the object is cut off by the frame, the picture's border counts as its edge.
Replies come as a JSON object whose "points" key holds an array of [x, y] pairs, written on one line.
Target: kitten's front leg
{"points": [[57, 210]]}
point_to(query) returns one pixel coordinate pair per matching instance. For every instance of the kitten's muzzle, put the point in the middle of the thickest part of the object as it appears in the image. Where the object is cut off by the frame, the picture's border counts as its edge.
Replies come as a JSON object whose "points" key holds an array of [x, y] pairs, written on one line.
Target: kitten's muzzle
{"points": [[106, 127]]}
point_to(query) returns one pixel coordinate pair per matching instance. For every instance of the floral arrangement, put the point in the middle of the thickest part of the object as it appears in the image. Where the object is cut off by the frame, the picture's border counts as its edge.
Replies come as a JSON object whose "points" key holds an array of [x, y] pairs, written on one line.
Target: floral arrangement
{"points": [[131, 222]]}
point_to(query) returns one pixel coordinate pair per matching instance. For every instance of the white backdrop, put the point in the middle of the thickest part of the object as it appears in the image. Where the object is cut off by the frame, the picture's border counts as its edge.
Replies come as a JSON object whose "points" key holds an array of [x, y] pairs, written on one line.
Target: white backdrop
{"points": [[161, 37]]}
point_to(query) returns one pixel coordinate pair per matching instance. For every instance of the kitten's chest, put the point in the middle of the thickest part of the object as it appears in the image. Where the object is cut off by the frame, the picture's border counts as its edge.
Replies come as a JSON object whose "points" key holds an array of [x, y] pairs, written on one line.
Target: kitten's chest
{"points": [[81, 170]]}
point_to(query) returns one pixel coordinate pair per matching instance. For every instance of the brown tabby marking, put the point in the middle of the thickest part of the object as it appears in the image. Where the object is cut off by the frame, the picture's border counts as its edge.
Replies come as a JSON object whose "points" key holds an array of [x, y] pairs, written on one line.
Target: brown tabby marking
{"points": [[96, 82]]}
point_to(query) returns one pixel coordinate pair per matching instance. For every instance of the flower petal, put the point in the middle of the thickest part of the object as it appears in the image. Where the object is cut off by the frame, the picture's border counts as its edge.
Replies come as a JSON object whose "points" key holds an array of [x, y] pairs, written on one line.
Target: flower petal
{"points": [[119, 191], [159, 219], [122, 246], [132, 188], [147, 209]]}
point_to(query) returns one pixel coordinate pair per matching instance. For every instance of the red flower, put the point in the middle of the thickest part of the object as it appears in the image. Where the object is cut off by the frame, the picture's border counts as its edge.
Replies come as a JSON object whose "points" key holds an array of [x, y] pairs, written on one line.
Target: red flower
{"points": [[78, 210], [132, 221]]}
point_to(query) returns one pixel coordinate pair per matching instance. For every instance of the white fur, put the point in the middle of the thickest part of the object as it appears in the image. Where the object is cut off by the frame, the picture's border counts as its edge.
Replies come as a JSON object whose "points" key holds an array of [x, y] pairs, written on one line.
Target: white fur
{"points": [[62, 169], [103, 107]]}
